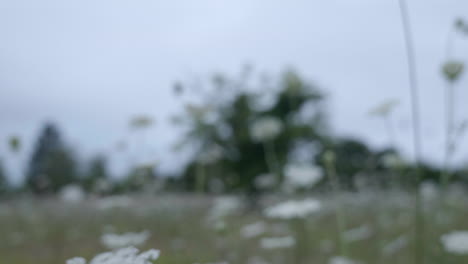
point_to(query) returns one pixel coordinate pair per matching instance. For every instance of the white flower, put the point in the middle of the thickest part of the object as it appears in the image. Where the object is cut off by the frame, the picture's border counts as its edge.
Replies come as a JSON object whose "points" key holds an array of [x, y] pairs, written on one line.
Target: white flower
{"points": [[456, 242], [277, 242], [266, 128], [115, 241], [121, 256], [72, 194], [253, 230], [302, 176], [224, 206], [341, 260], [114, 202], [428, 190], [293, 209], [76, 260]]}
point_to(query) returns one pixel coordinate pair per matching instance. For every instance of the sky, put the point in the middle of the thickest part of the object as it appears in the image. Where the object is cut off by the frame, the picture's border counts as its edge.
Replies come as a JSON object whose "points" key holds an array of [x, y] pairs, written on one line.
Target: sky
{"points": [[91, 65]]}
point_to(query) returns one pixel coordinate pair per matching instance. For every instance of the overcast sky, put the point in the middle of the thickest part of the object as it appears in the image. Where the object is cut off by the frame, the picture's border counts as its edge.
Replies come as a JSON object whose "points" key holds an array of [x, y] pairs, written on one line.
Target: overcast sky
{"points": [[90, 65]]}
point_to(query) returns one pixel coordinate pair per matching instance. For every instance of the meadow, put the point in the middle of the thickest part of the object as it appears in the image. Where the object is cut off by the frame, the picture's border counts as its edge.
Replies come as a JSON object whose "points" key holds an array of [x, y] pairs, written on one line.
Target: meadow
{"points": [[378, 227]]}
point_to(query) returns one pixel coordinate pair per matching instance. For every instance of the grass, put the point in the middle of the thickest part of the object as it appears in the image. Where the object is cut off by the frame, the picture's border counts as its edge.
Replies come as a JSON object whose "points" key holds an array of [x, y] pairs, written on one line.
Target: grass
{"points": [[49, 231]]}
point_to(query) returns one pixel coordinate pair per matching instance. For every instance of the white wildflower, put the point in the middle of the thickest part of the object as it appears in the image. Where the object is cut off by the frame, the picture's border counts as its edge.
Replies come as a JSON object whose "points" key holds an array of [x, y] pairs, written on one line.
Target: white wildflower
{"points": [[277, 242], [266, 128], [302, 176], [76, 260], [293, 209], [114, 202], [224, 206], [456, 242], [72, 194], [428, 190], [253, 230], [121, 256], [341, 260], [115, 241]]}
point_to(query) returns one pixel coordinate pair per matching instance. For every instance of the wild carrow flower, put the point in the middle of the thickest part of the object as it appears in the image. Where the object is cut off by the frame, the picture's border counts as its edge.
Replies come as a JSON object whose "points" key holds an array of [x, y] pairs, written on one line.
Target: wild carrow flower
{"points": [[115, 241], [253, 230], [456, 242], [341, 260], [302, 176], [122, 256], [452, 70], [266, 128], [277, 242], [293, 209], [72, 193], [224, 206]]}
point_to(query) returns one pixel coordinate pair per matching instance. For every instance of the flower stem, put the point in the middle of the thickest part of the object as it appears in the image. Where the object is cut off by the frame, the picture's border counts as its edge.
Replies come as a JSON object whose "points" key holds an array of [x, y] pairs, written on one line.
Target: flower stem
{"points": [[413, 84]]}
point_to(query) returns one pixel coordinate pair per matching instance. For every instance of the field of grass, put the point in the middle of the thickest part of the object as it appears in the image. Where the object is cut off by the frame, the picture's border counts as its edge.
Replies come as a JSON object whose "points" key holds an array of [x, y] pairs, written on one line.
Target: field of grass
{"points": [[378, 228]]}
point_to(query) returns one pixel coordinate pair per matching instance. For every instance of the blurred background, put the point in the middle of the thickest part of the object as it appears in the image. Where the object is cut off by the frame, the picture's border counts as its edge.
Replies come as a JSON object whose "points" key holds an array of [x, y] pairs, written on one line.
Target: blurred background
{"points": [[104, 98]]}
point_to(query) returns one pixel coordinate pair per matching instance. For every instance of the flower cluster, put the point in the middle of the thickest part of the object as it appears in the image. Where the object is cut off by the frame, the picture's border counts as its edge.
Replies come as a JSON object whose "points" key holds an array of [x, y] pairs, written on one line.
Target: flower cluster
{"points": [[456, 242], [115, 241], [122, 256], [266, 128], [293, 209]]}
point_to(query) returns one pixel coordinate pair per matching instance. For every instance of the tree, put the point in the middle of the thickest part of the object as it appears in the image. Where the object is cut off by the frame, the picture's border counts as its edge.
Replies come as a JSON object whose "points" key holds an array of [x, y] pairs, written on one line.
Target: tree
{"points": [[221, 130], [96, 173], [52, 164], [4, 186]]}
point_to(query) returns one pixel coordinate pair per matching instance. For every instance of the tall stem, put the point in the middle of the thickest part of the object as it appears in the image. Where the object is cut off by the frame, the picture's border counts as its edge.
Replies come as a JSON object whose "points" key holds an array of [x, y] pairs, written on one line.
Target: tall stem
{"points": [[411, 61], [329, 160], [449, 119], [449, 116]]}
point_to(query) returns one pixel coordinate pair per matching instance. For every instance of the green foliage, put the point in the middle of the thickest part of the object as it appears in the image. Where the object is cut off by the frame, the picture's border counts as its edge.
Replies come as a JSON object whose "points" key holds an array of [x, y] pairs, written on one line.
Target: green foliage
{"points": [[96, 173], [4, 185], [52, 164], [15, 143], [296, 104]]}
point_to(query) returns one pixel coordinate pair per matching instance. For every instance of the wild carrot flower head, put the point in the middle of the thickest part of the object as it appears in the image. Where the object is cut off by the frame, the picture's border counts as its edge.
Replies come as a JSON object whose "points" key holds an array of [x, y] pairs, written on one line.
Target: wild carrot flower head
{"points": [[293, 209], [452, 70], [122, 256], [456, 242], [302, 176], [266, 128], [277, 242], [115, 241]]}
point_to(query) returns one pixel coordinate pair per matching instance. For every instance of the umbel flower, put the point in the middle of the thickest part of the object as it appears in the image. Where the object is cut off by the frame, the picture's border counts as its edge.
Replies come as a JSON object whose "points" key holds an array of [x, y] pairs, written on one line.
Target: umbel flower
{"points": [[456, 242], [302, 176], [293, 209], [115, 241], [266, 128], [277, 242], [452, 70], [128, 255]]}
